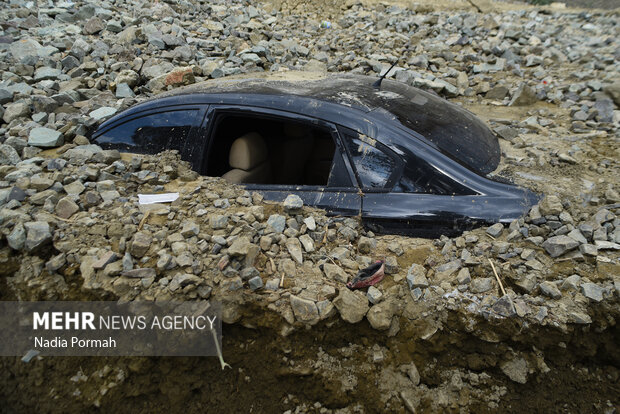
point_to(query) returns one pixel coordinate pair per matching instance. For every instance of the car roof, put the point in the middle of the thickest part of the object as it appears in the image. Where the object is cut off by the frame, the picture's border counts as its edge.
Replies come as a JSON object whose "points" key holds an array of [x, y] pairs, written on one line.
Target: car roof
{"points": [[455, 131]]}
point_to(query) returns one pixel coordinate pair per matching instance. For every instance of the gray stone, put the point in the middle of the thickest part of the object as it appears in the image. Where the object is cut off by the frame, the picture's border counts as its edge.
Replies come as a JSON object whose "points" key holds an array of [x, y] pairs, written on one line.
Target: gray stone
{"points": [[352, 305], [551, 205], [15, 110], [140, 272], [416, 277], [294, 248], [504, 307], [272, 284], [124, 91], [495, 230], [374, 295], [391, 265], [305, 310], [497, 93], [218, 222], [45, 138], [507, 132], [17, 237], [180, 280], [44, 73], [558, 245], [592, 291], [190, 229], [307, 243], [463, 277], [92, 26], [571, 282], [366, 245], [103, 112], [292, 202], [380, 315], [576, 235], [140, 244], [25, 48], [74, 188], [515, 369], [38, 234], [481, 285], [255, 283], [241, 247], [66, 207], [277, 222], [310, 223], [334, 272], [550, 289], [8, 155], [523, 96]]}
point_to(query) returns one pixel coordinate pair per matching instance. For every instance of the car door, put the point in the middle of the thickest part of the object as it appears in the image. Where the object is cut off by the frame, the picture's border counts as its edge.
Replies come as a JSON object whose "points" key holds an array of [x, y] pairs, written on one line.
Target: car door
{"points": [[338, 196], [428, 205]]}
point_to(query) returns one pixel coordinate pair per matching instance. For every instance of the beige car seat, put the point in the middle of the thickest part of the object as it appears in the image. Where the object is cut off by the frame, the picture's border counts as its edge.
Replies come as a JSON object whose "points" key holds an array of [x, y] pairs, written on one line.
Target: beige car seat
{"points": [[249, 160]]}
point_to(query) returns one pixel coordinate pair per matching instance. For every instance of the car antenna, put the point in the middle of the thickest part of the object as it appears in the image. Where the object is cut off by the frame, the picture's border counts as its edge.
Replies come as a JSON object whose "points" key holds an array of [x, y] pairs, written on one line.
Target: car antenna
{"points": [[377, 84]]}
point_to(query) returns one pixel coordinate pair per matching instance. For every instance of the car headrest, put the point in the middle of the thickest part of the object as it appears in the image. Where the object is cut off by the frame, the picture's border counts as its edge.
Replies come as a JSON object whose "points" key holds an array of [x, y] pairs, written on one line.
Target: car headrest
{"points": [[248, 151]]}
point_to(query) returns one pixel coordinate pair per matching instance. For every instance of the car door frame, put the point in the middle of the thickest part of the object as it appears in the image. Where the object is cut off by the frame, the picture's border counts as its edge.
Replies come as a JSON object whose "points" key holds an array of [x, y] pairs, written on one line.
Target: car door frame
{"points": [[344, 201]]}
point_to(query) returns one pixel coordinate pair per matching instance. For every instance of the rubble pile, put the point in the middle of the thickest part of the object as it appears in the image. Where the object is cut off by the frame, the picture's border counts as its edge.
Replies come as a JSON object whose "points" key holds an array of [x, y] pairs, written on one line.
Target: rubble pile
{"points": [[546, 80]]}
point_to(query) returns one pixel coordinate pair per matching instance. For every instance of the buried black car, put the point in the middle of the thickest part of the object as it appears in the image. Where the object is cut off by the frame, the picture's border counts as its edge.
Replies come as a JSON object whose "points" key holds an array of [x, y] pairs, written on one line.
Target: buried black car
{"points": [[405, 160]]}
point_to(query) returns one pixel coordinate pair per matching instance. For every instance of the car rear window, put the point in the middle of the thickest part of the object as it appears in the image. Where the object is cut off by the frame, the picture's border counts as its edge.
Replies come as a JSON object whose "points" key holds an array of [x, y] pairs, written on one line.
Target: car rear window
{"points": [[374, 166], [151, 133]]}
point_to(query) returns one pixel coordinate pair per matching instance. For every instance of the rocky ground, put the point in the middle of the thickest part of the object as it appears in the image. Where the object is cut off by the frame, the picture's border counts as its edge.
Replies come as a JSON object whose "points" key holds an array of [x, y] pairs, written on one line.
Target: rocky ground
{"points": [[442, 332]]}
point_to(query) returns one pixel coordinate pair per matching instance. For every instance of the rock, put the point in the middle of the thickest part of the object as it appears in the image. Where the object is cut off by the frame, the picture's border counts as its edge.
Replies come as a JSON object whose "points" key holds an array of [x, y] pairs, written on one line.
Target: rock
{"points": [[75, 188], [366, 245], [276, 222], [139, 273], [506, 132], [613, 91], [8, 155], [412, 372], [391, 265], [140, 244], [25, 48], [45, 138], [504, 307], [551, 205], [124, 91], [103, 112], [38, 235], [497, 93], [44, 73], [515, 369], [294, 248], [17, 237], [310, 223], [550, 289], [15, 111], [180, 76], [592, 291], [416, 277], [374, 295], [128, 77], [380, 315], [255, 283], [190, 229], [495, 230], [481, 285], [240, 247], [181, 280], [293, 202], [558, 245], [334, 272], [523, 96], [218, 222], [305, 310], [307, 243], [66, 207], [463, 277], [352, 305]]}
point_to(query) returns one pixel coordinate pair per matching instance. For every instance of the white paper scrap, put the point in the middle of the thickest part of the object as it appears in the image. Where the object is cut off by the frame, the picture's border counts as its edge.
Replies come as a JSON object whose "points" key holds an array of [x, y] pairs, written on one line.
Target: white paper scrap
{"points": [[157, 198]]}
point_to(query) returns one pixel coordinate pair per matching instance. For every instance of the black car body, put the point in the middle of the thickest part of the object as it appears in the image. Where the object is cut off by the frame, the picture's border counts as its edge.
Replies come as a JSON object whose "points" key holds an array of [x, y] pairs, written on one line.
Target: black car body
{"points": [[403, 159]]}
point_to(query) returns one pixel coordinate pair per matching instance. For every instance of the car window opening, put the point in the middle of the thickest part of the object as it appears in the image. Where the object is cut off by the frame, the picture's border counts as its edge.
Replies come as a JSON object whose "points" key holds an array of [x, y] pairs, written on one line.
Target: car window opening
{"points": [[256, 150]]}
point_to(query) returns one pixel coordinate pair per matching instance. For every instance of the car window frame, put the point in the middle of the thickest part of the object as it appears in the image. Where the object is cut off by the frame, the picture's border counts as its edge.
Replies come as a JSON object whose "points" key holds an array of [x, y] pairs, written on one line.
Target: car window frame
{"points": [[216, 110], [200, 109], [398, 162]]}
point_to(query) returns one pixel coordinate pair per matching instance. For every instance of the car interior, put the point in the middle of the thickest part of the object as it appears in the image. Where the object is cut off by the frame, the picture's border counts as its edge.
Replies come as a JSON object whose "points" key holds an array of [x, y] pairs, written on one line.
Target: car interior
{"points": [[265, 150]]}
